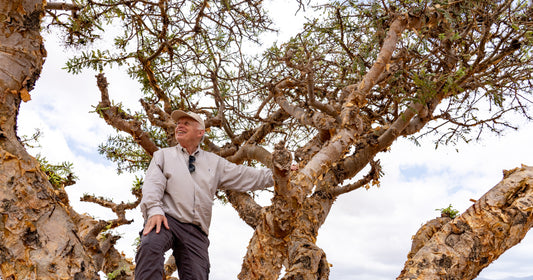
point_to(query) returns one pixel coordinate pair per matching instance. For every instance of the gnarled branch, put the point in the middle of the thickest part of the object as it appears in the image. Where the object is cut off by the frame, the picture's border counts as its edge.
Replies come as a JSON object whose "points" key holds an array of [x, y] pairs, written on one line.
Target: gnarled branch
{"points": [[120, 120], [461, 248]]}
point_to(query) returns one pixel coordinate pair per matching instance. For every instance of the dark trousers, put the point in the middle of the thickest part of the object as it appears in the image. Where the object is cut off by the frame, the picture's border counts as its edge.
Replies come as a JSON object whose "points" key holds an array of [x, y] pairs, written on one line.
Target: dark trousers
{"points": [[189, 244]]}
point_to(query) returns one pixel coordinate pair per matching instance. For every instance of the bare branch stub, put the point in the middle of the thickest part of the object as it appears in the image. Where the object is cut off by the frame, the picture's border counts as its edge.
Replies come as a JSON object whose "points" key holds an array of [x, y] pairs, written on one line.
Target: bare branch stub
{"points": [[281, 163]]}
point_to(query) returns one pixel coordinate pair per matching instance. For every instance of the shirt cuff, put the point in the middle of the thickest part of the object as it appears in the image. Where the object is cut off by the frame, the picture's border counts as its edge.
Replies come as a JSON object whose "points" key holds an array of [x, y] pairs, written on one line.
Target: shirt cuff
{"points": [[153, 211]]}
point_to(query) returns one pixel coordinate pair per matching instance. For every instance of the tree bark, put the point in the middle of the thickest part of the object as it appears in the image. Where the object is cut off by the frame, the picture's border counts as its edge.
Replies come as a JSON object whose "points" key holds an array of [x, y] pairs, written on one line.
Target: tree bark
{"points": [[287, 231], [287, 236], [41, 237], [306, 260], [462, 247], [37, 237]]}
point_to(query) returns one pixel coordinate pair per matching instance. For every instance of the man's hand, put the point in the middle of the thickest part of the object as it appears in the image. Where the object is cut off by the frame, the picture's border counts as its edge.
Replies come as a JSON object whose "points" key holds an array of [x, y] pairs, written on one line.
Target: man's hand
{"points": [[155, 221]]}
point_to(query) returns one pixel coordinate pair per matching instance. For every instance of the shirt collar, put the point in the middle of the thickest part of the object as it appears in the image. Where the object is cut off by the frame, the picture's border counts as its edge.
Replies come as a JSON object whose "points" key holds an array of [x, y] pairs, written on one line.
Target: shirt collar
{"points": [[183, 150]]}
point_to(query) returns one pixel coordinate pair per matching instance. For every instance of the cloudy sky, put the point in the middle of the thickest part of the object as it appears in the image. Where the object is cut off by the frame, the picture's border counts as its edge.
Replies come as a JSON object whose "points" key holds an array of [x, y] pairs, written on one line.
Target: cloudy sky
{"points": [[368, 232]]}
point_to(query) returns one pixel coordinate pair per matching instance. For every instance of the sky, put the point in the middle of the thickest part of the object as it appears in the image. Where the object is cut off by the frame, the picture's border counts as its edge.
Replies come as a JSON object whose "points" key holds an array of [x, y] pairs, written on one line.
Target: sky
{"points": [[367, 234]]}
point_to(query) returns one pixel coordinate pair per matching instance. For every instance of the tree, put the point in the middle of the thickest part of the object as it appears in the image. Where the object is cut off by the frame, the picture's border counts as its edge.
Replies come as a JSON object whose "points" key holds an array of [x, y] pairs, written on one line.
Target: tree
{"points": [[330, 99], [29, 202]]}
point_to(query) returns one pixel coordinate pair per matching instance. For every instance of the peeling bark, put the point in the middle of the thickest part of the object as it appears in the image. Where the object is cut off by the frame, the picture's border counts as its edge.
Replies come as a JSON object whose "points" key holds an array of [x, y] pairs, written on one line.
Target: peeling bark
{"points": [[41, 237], [462, 247], [33, 215], [305, 259], [265, 255], [268, 247], [287, 232]]}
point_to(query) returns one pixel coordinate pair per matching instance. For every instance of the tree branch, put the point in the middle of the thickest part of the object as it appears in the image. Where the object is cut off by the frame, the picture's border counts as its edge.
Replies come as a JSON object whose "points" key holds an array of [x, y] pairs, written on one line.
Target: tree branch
{"points": [[160, 93], [120, 120], [160, 119], [281, 168], [304, 153], [310, 118], [373, 175], [243, 203], [461, 248], [252, 152], [249, 211], [62, 6], [357, 93], [351, 121]]}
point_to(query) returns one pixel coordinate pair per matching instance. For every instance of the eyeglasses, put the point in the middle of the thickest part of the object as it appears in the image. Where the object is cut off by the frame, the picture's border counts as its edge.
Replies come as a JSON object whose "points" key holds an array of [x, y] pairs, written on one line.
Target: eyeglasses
{"points": [[192, 159]]}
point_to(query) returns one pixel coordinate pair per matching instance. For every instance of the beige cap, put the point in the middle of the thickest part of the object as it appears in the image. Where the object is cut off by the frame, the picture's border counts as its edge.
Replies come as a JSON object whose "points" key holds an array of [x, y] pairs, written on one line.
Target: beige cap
{"points": [[177, 114]]}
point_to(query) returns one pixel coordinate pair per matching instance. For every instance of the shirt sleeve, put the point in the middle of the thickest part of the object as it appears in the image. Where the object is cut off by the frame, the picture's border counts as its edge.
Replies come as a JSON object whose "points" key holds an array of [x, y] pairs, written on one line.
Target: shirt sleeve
{"points": [[244, 178], [154, 187]]}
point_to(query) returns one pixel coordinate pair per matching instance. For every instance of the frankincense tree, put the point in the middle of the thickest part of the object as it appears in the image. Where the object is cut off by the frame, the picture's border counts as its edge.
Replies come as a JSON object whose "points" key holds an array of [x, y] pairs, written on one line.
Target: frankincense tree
{"points": [[330, 100]]}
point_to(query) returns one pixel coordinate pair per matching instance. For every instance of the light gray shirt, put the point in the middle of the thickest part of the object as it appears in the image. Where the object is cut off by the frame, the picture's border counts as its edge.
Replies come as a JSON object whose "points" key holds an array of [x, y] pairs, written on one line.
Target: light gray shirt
{"points": [[169, 188]]}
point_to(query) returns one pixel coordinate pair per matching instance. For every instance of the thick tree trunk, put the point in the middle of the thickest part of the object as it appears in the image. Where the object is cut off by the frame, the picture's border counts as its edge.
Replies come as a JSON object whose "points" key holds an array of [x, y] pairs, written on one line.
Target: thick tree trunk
{"points": [[287, 236], [265, 256], [41, 237], [36, 238], [307, 261], [462, 247]]}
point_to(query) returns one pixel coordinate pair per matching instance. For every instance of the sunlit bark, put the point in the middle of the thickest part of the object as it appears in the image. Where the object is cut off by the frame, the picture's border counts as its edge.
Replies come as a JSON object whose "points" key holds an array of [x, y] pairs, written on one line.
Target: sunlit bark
{"points": [[460, 248], [41, 236], [33, 215]]}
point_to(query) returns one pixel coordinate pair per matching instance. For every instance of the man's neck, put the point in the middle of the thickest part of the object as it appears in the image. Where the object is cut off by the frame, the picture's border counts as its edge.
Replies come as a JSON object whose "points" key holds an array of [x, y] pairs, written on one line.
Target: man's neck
{"points": [[191, 151], [190, 148]]}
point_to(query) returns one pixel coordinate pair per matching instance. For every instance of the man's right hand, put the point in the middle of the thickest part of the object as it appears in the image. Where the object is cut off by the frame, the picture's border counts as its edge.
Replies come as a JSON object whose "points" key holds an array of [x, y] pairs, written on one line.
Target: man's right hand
{"points": [[155, 221]]}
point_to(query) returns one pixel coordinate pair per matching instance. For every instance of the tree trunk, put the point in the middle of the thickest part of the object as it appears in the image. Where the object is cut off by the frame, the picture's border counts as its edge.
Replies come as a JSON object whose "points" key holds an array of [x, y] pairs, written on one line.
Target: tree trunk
{"points": [[307, 261], [264, 257], [287, 236], [462, 247], [36, 238], [41, 237]]}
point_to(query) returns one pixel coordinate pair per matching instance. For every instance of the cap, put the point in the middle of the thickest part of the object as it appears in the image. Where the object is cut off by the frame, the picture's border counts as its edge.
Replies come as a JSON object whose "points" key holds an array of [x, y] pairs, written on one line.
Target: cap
{"points": [[177, 114]]}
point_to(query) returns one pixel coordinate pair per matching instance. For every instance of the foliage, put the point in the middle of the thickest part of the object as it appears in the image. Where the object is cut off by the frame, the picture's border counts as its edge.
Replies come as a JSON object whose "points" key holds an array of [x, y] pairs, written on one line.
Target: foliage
{"points": [[196, 56], [448, 212], [120, 147], [137, 183], [59, 175], [118, 272], [31, 141]]}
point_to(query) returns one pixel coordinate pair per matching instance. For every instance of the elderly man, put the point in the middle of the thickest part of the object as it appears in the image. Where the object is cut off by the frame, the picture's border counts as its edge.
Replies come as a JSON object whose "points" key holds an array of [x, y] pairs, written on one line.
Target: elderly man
{"points": [[178, 194]]}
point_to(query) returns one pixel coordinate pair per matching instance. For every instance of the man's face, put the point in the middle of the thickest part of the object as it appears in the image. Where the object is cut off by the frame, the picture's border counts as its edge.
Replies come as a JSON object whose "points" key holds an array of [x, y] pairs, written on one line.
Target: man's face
{"points": [[188, 131]]}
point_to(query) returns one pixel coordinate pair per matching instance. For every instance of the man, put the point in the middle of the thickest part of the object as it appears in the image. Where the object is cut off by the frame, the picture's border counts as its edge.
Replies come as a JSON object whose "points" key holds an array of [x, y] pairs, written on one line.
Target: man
{"points": [[178, 193]]}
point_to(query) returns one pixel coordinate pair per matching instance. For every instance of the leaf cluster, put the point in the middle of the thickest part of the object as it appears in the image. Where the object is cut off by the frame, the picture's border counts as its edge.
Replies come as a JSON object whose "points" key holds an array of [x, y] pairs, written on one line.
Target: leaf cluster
{"points": [[448, 212], [59, 175]]}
